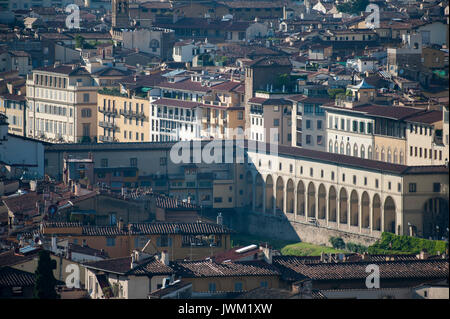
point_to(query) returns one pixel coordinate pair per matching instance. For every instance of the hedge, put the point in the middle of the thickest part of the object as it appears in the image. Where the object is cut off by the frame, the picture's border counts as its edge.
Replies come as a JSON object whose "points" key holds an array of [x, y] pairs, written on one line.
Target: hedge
{"points": [[394, 244]]}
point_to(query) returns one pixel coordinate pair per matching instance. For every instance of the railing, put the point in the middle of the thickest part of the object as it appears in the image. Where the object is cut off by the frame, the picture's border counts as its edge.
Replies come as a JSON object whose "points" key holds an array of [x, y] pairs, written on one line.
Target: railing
{"points": [[108, 139], [107, 111], [131, 114]]}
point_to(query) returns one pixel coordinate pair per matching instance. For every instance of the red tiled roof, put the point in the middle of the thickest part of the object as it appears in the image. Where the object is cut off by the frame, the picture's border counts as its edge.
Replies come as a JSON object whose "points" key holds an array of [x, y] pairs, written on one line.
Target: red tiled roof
{"points": [[147, 229], [148, 266], [10, 277], [426, 118], [226, 86], [22, 204], [185, 85], [196, 269], [294, 269]]}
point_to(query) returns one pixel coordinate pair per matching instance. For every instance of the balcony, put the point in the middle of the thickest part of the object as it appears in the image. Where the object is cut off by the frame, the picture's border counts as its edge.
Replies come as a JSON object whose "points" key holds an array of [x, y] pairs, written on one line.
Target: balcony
{"points": [[107, 111], [109, 125], [131, 114], [106, 139]]}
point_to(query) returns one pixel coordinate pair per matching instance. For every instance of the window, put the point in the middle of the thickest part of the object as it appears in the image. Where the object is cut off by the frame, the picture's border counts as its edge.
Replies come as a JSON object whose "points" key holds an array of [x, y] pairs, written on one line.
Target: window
{"points": [[110, 241], [399, 187], [162, 161], [86, 97], [377, 183], [389, 185], [86, 113], [319, 124], [308, 124], [436, 187], [104, 162], [163, 241], [212, 287], [276, 122], [217, 199], [133, 162], [332, 176], [412, 187], [311, 172], [263, 284], [354, 179], [343, 177]]}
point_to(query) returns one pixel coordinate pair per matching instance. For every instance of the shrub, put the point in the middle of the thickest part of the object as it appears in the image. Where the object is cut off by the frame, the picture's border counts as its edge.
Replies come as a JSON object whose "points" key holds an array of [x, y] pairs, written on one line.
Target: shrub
{"points": [[337, 242], [400, 244]]}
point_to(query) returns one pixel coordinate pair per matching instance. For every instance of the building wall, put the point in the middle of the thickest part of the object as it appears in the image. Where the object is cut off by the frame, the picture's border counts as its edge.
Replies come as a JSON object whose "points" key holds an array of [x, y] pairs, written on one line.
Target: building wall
{"points": [[227, 284]]}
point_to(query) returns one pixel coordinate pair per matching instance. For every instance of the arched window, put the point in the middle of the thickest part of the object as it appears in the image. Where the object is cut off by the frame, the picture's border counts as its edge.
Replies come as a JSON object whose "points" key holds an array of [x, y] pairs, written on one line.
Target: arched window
{"points": [[355, 150], [369, 152], [348, 151], [363, 151], [342, 148], [389, 155], [330, 146], [154, 45], [377, 153], [336, 149], [382, 155], [401, 160], [395, 156]]}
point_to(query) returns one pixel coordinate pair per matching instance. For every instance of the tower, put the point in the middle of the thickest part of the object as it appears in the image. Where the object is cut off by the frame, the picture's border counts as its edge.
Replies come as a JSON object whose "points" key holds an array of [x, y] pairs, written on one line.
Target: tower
{"points": [[119, 11]]}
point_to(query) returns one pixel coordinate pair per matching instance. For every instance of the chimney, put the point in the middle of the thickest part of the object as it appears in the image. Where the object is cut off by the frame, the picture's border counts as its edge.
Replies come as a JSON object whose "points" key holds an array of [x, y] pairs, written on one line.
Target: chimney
{"points": [[423, 254], [165, 257], [267, 253], [219, 219], [120, 223], [133, 261], [53, 244]]}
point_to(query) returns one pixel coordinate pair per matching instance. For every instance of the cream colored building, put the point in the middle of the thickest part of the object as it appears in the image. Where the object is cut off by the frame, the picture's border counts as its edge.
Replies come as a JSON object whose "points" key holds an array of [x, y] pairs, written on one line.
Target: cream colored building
{"points": [[62, 102], [355, 196]]}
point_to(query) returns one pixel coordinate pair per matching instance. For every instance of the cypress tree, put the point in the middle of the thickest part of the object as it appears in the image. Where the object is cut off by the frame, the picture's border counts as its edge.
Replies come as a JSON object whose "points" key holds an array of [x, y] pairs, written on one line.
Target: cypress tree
{"points": [[45, 282]]}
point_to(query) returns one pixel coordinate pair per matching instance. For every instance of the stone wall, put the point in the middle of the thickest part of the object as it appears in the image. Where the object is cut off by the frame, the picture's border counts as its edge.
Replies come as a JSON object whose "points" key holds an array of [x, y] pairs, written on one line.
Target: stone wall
{"points": [[281, 228]]}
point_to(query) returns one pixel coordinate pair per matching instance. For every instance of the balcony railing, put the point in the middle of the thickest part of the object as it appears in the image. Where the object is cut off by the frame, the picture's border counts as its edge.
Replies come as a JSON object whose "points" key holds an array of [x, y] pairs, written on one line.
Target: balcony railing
{"points": [[132, 114], [107, 111], [109, 125], [106, 139]]}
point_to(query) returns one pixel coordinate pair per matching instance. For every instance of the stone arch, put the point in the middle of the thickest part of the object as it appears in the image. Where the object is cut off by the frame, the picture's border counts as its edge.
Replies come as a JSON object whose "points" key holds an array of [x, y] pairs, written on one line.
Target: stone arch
{"points": [[376, 212], [343, 207], [300, 198], [369, 152], [290, 197], [269, 194], [248, 190], [311, 200], [365, 210], [332, 206], [355, 150], [363, 151], [348, 149], [342, 148], [389, 215], [354, 209], [322, 202], [280, 195], [259, 193], [435, 218], [336, 147]]}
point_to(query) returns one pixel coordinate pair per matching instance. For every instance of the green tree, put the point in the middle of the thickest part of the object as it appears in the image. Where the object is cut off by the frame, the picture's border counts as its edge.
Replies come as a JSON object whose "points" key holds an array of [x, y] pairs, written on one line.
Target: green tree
{"points": [[45, 282], [79, 41], [353, 6]]}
